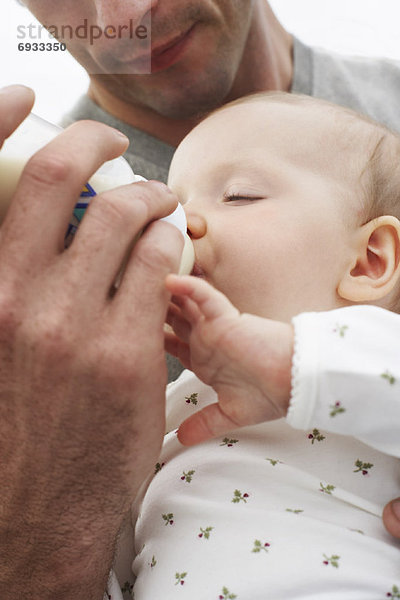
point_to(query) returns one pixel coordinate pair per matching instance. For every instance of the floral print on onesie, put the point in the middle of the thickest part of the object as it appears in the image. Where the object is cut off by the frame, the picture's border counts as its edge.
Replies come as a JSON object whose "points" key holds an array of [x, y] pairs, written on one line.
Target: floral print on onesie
{"points": [[291, 508]]}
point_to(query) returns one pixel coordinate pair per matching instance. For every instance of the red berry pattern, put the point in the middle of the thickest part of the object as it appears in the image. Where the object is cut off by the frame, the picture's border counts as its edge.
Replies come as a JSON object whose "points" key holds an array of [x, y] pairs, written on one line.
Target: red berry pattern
{"points": [[126, 588], [158, 467], [168, 518], [260, 546], [362, 467], [327, 489], [336, 409], [192, 399], [226, 594], [228, 442], [316, 436], [239, 497], [341, 329], [331, 560], [188, 476], [180, 578], [205, 533]]}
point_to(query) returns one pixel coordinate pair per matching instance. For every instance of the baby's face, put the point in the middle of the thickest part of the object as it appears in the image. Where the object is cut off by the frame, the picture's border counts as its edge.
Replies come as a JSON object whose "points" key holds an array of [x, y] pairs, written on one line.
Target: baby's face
{"points": [[270, 209]]}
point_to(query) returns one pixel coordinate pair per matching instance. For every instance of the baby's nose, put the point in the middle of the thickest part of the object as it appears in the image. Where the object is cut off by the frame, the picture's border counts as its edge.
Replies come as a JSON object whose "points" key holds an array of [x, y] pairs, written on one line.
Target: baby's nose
{"points": [[196, 225]]}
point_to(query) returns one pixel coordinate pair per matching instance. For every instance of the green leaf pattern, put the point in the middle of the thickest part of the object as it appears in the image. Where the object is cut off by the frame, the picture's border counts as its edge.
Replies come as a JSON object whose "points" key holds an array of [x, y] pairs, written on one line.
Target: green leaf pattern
{"points": [[262, 546], [331, 560]]}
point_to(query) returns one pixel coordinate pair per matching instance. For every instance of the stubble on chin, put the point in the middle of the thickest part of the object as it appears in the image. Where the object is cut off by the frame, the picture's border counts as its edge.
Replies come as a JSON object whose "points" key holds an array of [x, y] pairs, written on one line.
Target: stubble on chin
{"points": [[180, 92]]}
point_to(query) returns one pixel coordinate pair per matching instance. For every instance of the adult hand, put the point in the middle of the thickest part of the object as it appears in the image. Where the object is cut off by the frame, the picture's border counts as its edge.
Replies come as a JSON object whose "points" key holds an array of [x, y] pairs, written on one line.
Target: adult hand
{"points": [[82, 368], [391, 517]]}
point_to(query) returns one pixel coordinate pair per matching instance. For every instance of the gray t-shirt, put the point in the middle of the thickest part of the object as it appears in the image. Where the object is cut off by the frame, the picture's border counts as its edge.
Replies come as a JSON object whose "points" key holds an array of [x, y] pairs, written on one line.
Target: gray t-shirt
{"points": [[147, 155], [370, 86]]}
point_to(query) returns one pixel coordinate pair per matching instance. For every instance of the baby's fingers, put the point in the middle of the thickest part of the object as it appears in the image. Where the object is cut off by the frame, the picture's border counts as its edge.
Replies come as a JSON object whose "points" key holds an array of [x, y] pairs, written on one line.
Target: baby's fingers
{"points": [[208, 423], [173, 345], [211, 303], [178, 322], [183, 309]]}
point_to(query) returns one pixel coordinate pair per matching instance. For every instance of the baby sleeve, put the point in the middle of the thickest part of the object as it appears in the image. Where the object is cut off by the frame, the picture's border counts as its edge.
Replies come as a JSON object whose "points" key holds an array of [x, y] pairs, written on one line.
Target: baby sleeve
{"points": [[346, 375], [113, 591]]}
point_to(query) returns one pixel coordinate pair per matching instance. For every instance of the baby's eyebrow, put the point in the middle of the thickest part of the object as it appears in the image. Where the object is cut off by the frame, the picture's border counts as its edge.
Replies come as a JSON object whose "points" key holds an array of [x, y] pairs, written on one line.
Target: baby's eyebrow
{"points": [[248, 168]]}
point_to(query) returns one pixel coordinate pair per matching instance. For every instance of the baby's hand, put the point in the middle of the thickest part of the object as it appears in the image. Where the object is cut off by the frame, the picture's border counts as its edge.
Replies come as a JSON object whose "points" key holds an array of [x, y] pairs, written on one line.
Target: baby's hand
{"points": [[246, 359]]}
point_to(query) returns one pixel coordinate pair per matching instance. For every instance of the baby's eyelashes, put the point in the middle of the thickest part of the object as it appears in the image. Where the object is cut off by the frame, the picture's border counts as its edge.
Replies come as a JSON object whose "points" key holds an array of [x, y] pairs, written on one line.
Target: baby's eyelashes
{"points": [[240, 198]]}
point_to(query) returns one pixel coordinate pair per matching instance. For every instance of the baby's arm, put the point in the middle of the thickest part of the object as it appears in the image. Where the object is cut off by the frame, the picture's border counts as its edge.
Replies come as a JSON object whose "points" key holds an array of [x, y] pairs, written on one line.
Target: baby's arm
{"points": [[346, 367], [346, 375], [245, 358], [346, 371]]}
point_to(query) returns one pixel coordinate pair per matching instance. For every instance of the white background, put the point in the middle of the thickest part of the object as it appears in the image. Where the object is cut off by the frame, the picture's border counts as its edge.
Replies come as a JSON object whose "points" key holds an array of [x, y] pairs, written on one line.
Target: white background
{"points": [[369, 27]]}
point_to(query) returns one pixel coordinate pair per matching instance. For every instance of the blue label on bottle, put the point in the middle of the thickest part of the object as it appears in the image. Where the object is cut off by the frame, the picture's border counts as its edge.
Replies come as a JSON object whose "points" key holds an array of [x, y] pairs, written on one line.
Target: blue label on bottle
{"points": [[79, 210]]}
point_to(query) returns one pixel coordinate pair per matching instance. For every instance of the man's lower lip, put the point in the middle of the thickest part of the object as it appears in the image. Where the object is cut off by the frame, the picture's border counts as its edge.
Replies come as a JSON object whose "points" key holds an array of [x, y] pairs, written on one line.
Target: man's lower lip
{"points": [[171, 55], [161, 61]]}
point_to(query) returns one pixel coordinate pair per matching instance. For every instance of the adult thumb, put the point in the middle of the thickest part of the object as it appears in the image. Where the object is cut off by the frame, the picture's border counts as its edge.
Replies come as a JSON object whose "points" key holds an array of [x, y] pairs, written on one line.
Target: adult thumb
{"points": [[391, 517]]}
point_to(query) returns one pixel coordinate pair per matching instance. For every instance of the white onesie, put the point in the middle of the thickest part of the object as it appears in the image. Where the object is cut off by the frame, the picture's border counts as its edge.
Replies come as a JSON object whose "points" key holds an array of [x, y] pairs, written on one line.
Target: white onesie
{"points": [[274, 512]]}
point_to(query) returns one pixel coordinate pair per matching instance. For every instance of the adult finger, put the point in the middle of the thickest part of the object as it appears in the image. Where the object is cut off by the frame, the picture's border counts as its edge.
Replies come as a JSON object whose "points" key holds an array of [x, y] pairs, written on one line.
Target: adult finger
{"points": [[16, 103], [50, 185], [156, 254], [174, 346], [178, 323], [112, 222], [391, 517]]}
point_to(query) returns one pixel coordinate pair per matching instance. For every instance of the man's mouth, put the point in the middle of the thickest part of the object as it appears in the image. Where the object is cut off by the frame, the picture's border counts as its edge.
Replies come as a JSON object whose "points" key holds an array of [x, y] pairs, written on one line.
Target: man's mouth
{"points": [[162, 55], [165, 55]]}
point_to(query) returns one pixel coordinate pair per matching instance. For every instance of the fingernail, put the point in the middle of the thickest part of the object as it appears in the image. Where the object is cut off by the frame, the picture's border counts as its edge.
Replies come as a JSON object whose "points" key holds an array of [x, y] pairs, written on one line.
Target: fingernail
{"points": [[14, 89], [121, 135], [117, 133], [164, 188], [396, 508]]}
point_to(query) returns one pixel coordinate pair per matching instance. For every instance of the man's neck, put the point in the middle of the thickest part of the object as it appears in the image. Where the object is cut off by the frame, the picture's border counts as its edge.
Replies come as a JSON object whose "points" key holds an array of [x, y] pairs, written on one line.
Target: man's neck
{"points": [[267, 64]]}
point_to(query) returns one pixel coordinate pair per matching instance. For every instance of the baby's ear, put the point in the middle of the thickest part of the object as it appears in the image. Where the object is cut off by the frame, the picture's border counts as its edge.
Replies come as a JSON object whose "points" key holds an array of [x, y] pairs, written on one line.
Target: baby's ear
{"points": [[375, 269]]}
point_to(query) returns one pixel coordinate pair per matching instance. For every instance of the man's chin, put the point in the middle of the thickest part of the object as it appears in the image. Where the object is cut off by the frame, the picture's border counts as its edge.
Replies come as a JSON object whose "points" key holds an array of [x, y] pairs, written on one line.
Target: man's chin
{"points": [[180, 101]]}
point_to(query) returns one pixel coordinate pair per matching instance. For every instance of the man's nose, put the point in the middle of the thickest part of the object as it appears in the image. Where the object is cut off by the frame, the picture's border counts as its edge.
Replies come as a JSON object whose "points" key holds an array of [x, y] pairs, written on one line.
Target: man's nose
{"points": [[196, 224], [112, 12]]}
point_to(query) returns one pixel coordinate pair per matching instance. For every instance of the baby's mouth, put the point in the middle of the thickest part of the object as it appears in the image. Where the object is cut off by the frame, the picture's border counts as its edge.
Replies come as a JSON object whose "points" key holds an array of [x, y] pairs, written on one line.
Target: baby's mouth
{"points": [[197, 271]]}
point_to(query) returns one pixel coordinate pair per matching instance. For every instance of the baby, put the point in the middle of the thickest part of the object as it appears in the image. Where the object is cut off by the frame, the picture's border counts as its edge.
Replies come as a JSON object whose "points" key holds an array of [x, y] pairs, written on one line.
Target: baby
{"points": [[292, 207]]}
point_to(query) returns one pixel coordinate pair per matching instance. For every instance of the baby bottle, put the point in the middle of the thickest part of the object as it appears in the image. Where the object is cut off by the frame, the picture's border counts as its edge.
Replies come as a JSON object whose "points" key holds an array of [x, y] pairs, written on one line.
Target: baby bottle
{"points": [[32, 135]]}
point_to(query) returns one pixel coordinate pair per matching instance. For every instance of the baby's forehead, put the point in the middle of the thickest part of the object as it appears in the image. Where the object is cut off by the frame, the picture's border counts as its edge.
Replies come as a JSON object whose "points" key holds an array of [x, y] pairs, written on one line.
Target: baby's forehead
{"points": [[311, 134], [337, 138], [301, 129], [312, 119]]}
